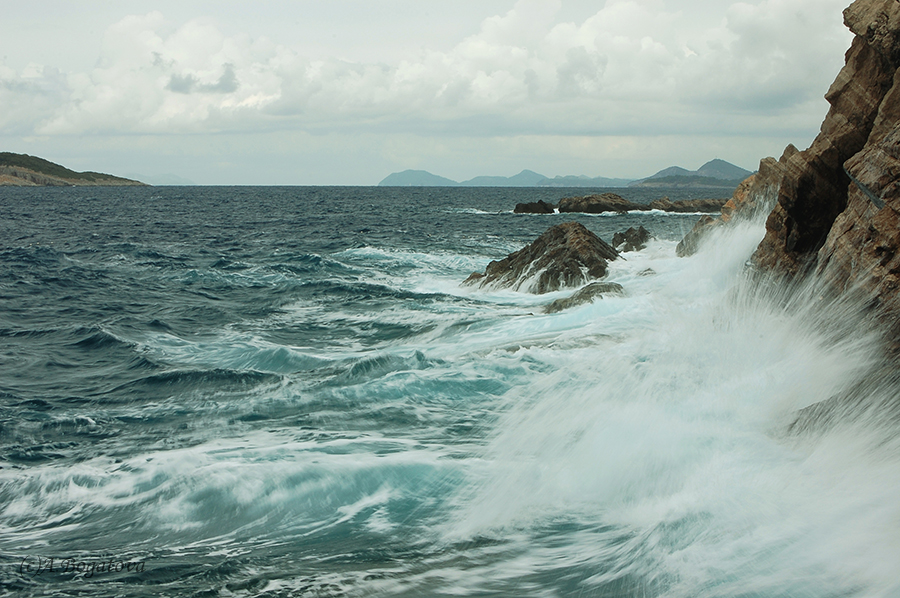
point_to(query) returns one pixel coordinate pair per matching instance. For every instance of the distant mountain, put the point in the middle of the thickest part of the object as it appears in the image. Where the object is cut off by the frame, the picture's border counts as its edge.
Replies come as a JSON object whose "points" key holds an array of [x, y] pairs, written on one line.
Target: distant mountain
{"points": [[526, 178], [416, 178], [672, 171], [720, 169], [714, 174], [31, 171], [583, 181]]}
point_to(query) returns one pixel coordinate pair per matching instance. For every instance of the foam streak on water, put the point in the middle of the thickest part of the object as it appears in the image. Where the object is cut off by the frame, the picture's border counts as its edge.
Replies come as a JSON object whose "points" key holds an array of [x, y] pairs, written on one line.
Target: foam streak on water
{"points": [[264, 407]]}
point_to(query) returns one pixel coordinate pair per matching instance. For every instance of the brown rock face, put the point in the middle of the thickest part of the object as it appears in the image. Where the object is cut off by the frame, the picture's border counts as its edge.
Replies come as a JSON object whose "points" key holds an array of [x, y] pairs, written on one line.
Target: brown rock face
{"points": [[597, 204], [862, 251], [838, 208], [567, 255], [864, 106]]}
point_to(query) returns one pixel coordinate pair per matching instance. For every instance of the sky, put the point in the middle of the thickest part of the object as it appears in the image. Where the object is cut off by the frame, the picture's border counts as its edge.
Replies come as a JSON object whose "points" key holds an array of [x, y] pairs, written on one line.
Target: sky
{"points": [[345, 92]]}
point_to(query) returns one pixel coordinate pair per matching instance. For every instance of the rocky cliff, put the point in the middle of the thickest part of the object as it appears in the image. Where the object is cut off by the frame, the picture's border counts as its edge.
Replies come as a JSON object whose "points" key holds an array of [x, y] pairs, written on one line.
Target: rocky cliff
{"points": [[805, 229], [836, 211]]}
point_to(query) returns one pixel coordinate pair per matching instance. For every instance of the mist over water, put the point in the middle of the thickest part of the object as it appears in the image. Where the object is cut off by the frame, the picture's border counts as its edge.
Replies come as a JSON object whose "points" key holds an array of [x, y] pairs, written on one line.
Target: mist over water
{"points": [[286, 392]]}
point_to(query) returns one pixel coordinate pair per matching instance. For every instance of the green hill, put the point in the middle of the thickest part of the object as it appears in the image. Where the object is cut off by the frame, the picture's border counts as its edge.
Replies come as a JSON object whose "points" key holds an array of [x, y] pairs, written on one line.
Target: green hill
{"points": [[22, 169]]}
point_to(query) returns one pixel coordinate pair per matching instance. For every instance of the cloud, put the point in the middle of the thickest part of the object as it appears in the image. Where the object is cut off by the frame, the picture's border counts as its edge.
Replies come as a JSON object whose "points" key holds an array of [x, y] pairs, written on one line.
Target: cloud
{"points": [[227, 83], [27, 96], [633, 67]]}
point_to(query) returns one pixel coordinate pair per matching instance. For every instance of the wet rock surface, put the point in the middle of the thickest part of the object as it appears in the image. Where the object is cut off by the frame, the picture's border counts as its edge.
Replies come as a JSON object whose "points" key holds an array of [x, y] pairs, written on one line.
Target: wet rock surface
{"points": [[585, 295], [566, 255], [597, 204], [536, 207], [633, 239]]}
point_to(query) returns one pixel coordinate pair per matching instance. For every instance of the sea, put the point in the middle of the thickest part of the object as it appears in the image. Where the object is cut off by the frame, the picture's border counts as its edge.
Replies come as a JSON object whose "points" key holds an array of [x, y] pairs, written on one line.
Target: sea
{"points": [[285, 391]]}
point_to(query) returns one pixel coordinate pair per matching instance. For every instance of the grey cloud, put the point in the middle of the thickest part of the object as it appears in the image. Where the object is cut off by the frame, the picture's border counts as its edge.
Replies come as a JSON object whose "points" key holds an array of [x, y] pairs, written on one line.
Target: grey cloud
{"points": [[227, 83], [182, 83], [27, 101]]}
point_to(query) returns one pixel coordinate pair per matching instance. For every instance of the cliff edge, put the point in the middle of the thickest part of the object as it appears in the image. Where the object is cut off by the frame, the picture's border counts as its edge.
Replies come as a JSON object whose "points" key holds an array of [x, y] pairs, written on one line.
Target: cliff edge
{"points": [[865, 105], [835, 207], [861, 250]]}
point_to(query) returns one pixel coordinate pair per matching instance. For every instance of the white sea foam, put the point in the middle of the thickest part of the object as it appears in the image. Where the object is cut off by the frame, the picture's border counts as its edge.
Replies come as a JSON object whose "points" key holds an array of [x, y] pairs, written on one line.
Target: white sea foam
{"points": [[674, 434]]}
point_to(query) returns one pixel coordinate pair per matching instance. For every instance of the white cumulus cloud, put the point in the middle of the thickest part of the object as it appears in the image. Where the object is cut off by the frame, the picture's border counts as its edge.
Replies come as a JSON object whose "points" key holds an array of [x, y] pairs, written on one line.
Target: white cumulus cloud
{"points": [[649, 66]]}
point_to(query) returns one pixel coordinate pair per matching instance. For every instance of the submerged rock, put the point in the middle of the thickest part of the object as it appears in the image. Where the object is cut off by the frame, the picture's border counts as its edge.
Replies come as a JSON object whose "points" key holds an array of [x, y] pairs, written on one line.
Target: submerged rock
{"points": [[633, 239], [585, 295], [597, 204], [567, 255], [536, 207]]}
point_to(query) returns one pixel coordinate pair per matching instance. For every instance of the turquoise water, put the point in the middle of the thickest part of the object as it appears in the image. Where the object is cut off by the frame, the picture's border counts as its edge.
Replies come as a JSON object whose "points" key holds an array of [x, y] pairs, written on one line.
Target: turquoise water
{"points": [[285, 392]]}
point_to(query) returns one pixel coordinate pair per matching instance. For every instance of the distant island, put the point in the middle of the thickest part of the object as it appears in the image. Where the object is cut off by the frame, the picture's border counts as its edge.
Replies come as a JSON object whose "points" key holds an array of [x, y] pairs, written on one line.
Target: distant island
{"points": [[22, 170], [715, 174], [526, 178]]}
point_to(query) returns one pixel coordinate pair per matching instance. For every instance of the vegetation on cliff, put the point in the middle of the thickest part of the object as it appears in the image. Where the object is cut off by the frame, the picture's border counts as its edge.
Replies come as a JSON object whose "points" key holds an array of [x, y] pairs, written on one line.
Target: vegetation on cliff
{"points": [[22, 169]]}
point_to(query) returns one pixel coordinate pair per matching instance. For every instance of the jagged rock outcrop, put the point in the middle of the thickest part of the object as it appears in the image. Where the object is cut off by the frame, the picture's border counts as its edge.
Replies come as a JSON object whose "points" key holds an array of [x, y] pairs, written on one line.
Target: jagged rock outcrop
{"points": [[687, 206], [633, 239], [584, 295], [864, 107], [535, 207], [597, 204], [567, 255], [755, 196]]}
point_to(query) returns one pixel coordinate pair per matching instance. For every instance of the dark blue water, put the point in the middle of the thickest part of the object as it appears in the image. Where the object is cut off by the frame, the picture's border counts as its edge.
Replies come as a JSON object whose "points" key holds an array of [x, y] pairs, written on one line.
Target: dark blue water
{"points": [[283, 391]]}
